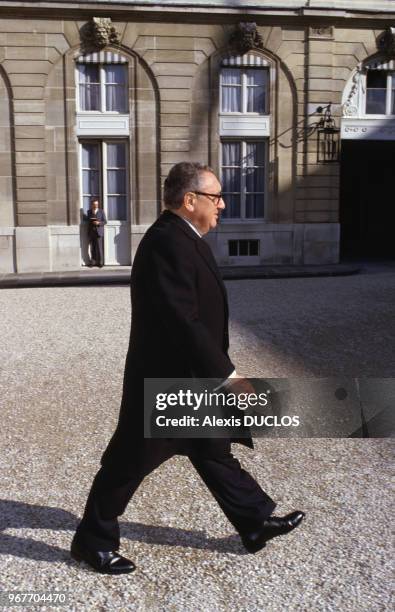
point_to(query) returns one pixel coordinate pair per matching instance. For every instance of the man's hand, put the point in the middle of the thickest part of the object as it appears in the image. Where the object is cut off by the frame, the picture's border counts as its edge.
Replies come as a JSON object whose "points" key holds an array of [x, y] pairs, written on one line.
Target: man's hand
{"points": [[239, 385]]}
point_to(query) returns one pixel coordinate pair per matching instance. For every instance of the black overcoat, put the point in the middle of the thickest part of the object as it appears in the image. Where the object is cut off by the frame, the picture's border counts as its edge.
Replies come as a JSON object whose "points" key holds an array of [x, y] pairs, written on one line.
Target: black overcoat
{"points": [[179, 330]]}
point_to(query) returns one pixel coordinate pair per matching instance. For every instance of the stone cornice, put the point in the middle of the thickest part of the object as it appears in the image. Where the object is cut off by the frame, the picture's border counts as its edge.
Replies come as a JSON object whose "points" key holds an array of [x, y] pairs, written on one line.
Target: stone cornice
{"points": [[206, 11], [371, 6]]}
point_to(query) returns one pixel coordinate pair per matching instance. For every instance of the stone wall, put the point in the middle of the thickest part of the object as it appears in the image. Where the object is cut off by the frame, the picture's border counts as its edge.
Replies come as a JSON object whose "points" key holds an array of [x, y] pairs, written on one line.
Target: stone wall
{"points": [[173, 111]]}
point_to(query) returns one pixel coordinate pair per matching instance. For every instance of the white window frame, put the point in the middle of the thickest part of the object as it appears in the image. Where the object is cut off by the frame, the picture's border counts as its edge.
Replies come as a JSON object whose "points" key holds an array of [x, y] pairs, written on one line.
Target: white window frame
{"points": [[243, 218], [103, 142], [244, 97], [388, 103], [102, 77]]}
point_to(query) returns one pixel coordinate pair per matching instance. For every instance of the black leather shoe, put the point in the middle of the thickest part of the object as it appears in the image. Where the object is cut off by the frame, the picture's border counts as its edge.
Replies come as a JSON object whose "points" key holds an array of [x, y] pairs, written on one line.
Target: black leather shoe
{"points": [[272, 527], [107, 562]]}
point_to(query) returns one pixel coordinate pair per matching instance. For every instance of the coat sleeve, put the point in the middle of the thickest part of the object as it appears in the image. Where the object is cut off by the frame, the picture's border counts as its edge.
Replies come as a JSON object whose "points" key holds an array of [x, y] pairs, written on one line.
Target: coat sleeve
{"points": [[172, 284]]}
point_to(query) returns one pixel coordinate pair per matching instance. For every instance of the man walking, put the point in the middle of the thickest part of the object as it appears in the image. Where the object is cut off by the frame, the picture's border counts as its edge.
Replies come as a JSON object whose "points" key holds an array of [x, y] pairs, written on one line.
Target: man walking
{"points": [[179, 330]]}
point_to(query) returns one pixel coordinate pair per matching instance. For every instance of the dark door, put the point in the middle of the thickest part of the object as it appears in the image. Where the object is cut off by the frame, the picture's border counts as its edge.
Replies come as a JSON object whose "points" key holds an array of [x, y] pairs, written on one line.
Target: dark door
{"points": [[367, 199]]}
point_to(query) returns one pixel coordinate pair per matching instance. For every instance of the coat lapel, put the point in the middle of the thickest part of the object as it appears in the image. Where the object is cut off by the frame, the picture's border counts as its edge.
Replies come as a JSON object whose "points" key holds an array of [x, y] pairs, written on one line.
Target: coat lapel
{"points": [[206, 253]]}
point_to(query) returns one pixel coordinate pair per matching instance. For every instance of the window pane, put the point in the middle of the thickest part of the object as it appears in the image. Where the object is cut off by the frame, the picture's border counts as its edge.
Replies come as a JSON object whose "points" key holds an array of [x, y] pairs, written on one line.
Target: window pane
{"points": [[376, 92], [257, 80], [116, 155], [230, 180], [90, 180], [231, 154], [116, 208], [243, 247], [231, 76], [116, 98], [90, 173], [89, 97], [254, 206], [256, 77], [89, 87], [254, 179], [87, 203], [88, 73], [393, 95], [254, 247], [232, 202], [255, 154], [86, 174], [375, 101], [256, 100], [115, 73], [90, 156], [116, 181], [233, 248], [231, 100], [231, 90], [376, 79]]}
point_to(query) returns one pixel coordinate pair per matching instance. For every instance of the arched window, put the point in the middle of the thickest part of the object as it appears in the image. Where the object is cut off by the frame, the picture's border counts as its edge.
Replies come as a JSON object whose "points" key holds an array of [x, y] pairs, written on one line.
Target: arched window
{"points": [[244, 85], [102, 82], [370, 92], [103, 130], [380, 88], [244, 129]]}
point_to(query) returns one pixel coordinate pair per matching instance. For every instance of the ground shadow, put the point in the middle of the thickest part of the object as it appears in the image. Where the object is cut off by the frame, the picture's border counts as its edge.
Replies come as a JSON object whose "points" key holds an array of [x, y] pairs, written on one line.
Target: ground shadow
{"points": [[20, 515]]}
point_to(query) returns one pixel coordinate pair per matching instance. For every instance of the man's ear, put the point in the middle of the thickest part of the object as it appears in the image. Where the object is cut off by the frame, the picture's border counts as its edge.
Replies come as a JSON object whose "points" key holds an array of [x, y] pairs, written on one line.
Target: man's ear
{"points": [[189, 201]]}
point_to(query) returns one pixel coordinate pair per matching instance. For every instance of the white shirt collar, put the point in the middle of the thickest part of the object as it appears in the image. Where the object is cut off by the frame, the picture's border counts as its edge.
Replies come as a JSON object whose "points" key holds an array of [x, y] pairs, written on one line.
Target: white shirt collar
{"points": [[191, 226]]}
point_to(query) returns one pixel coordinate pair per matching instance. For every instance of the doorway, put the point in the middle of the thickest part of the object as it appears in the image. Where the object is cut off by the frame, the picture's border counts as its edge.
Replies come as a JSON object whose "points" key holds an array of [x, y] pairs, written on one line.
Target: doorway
{"points": [[367, 201], [104, 175]]}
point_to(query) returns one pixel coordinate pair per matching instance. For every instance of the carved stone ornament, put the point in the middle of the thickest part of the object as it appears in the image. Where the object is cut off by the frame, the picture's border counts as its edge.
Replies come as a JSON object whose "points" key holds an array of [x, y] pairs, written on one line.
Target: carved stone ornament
{"points": [[98, 33], [321, 32], [386, 43], [245, 37], [350, 107]]}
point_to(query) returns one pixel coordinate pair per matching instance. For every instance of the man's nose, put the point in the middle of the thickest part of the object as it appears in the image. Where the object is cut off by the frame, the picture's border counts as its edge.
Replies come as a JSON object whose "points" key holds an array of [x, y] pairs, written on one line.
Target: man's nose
{"points": [[221, 203]]}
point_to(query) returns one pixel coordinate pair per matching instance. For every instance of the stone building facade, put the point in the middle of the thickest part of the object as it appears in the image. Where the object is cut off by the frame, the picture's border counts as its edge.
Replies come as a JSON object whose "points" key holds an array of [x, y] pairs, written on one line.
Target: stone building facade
{"points": [[101, 98]]}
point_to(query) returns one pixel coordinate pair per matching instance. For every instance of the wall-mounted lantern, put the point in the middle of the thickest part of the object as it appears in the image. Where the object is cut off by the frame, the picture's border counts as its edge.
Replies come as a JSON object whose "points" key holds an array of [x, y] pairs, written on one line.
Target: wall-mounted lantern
{"points": [[328, 136]]}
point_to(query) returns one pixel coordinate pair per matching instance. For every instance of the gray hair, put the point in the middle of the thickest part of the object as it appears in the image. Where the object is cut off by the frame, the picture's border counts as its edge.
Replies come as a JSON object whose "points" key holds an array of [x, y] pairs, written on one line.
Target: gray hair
{"points": [[183, 177]]}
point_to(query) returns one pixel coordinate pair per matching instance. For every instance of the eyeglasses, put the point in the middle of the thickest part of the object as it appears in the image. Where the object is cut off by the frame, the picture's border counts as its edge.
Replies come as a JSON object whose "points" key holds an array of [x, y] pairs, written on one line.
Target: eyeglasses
{"points": [[217, 196]]}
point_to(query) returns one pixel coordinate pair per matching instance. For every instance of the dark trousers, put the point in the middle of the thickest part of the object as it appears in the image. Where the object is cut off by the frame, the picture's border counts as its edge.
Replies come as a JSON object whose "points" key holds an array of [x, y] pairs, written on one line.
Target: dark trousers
{"points": [[240, 497], [97, 252]]}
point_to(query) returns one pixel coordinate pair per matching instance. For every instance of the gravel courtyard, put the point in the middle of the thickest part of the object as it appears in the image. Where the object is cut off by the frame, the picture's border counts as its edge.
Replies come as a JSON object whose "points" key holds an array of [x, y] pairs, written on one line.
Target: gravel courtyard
{"points": [[62, 355]]}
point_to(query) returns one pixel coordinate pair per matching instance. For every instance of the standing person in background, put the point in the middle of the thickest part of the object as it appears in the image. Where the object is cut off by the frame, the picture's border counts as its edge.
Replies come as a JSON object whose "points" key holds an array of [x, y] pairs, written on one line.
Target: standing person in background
{"points": [[96, 218]]}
